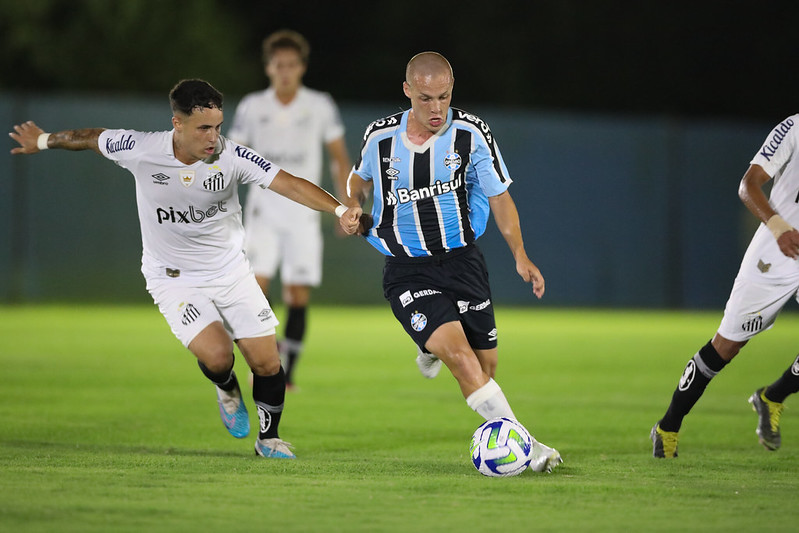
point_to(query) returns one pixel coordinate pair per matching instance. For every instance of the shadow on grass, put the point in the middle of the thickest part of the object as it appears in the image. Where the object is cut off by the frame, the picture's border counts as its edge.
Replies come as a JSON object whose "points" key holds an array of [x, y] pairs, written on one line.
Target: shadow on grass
{"points": [[28, 447]]}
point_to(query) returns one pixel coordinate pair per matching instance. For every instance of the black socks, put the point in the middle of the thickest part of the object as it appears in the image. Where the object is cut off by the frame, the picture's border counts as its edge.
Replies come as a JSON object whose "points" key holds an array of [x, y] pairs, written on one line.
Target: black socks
{"points": [[224, 380], [269, 393], [787, 384], [697, 374], [295, 332]]}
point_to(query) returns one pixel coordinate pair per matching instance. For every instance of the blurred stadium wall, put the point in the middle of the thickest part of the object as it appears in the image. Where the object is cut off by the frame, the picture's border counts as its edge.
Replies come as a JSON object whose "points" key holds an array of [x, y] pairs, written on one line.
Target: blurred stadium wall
{"points": [[616, 211]]}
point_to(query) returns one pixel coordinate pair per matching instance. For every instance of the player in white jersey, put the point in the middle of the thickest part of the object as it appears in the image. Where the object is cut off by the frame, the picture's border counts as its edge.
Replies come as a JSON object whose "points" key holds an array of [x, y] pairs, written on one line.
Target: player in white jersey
{"points": [[192, 243], [767, 279], [289, 123]]}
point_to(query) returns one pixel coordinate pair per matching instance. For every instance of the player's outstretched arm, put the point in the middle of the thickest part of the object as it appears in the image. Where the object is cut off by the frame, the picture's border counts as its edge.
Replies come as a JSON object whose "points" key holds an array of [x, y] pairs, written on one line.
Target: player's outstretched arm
{"points": [[306, 193], [507, 218], [32, 139]]}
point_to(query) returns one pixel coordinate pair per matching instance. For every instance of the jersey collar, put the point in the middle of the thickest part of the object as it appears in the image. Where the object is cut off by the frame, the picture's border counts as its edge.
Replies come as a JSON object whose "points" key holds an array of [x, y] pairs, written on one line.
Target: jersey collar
{"points": [[429, 142]]}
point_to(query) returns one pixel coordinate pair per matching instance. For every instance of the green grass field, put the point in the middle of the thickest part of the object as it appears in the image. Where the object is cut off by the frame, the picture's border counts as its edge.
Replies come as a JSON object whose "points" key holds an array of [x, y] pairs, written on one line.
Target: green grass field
{"points": [[106, 424]]}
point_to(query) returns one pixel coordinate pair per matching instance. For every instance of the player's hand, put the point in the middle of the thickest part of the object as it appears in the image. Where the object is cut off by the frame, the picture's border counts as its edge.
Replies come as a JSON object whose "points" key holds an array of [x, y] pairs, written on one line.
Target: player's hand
{"points": [[530, 273], [789, 243], [365, 224], [26, 134], [350, 219]]}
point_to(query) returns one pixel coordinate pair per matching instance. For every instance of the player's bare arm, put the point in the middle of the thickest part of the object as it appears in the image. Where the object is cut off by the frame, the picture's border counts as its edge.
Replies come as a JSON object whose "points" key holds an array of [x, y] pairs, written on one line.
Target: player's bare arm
{"points": [[506, 217], [751, 194], [306, 193], [28, 135], [358, 192], [340, 166]]}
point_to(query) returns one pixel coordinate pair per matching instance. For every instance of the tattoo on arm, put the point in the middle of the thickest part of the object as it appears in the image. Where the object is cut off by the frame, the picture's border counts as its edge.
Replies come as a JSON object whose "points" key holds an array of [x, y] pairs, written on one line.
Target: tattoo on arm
{"points": [[83, 139]]}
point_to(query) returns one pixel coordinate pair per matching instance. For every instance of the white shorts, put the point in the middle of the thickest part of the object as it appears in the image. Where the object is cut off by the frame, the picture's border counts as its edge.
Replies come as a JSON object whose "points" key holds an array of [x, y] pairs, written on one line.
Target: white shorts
{"points": [[234, 299], [295, 248], [753, 307]]}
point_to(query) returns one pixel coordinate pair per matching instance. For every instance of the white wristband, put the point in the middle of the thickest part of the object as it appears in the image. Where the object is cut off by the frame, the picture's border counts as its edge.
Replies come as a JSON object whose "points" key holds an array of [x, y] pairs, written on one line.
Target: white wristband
{"points": [[41, 141], [778, 226], [340, 210]]}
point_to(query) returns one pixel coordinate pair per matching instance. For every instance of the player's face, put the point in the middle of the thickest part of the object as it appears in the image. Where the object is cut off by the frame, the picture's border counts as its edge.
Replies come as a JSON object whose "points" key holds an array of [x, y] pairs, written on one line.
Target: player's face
{"points": [[285, 70], [430, 98], [196, 135]]}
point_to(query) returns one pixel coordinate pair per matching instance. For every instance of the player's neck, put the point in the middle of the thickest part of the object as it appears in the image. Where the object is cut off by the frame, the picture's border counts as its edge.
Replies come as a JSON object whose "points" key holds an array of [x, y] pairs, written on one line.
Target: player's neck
{"points": [[286, 96], [181, 155], [416, 133]]}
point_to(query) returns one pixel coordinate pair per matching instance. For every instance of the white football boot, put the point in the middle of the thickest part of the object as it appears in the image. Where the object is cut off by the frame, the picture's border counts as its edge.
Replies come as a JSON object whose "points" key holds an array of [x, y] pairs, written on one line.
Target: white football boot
{"points": [[544, 458], [429, 365]]}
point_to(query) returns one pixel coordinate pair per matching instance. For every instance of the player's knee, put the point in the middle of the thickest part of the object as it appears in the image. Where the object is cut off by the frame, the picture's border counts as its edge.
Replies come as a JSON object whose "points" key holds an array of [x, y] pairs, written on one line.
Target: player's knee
{"points": [[267, 367], [217, 358], [727, 349]]}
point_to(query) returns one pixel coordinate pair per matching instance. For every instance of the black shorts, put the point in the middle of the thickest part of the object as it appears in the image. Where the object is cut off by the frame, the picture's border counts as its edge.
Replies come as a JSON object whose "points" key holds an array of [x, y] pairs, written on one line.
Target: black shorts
{"points": [[426, 292]]}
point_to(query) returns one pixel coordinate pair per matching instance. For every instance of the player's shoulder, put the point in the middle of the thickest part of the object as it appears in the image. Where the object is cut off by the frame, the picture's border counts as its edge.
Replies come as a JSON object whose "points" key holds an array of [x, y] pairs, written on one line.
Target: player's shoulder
{"points": [[465, 120], [254, 98], [118, 141], [385, 126], [315, 94], [316, 99], [235, 153]]}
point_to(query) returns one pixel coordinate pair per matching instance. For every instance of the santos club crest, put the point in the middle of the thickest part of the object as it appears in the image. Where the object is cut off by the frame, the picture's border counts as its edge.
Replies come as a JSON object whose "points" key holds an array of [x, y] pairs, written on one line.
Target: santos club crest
{"points": [[215, 180]]}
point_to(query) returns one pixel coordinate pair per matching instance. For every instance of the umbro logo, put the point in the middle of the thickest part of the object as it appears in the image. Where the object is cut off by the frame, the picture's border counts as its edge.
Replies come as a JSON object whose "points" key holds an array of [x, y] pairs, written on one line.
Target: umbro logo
{"points": [[160, 179], [392, 173], [265, 314]]}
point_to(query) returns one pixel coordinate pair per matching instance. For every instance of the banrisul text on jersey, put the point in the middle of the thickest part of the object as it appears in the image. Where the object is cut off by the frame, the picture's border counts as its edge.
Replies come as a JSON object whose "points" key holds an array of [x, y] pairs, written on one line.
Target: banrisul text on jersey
{"points": [[405, 195], [779, 134]]}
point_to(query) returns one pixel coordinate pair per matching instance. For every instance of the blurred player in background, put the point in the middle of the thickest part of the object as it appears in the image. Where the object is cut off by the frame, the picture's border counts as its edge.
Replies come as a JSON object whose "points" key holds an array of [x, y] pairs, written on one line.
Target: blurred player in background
{"points": [[767, 279], [289, 123], [436, 172], [192, 243]]}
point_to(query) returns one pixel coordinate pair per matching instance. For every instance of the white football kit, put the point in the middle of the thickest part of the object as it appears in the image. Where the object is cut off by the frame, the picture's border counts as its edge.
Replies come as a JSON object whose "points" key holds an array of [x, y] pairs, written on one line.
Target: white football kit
{"points": [[192, 236], [767, 278], [279, 232]]}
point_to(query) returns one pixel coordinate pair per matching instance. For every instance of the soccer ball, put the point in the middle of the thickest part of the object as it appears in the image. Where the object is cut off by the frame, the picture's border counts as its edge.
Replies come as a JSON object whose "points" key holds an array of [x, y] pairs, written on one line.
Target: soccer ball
{"points": [[501, 447]]}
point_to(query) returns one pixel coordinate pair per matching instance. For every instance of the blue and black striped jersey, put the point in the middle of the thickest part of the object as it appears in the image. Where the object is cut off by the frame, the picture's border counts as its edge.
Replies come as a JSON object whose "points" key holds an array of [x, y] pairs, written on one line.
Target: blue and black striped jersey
{"points": [[432, 198]]}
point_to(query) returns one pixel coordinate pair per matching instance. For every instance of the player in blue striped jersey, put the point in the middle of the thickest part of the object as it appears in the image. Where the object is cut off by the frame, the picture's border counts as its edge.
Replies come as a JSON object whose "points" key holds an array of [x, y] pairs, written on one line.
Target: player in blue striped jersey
{"points": [[435, 173]]}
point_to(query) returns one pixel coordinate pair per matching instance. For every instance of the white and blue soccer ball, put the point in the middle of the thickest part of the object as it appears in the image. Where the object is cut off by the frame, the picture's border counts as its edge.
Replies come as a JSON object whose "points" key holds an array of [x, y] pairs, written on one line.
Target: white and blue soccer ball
{"points": [[501, 447]]}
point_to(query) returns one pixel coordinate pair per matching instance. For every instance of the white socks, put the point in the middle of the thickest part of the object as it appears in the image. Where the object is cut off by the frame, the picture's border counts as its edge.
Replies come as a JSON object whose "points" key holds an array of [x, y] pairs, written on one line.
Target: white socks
{"points": [[489, 402]]}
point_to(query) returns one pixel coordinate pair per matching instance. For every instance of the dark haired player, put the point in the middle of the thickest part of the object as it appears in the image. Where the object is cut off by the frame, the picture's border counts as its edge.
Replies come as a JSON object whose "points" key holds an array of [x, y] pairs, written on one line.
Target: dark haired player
{"points": [[767, 279], [187, 183]]}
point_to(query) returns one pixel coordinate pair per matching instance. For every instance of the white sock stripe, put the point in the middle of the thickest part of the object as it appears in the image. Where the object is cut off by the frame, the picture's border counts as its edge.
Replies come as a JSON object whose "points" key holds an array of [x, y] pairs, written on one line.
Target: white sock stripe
{"points": [[706, 371], [292, 345], [270, 408]]}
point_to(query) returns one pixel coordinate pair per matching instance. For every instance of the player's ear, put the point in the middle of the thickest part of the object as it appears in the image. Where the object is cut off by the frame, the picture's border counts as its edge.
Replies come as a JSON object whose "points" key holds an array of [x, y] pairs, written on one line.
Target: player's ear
{"points": [[406, 88], [176, 123]]}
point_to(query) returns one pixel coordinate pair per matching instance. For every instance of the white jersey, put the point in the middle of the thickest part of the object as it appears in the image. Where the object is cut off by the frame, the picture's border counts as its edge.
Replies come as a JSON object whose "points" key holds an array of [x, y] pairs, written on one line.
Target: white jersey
{"points": [[779, 157], [190, 215], [292, 136]]}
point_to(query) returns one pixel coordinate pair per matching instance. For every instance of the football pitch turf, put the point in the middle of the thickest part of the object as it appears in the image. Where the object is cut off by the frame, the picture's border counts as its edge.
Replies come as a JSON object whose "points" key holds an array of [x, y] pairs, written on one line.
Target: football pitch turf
{"points": [[107, 424]]}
